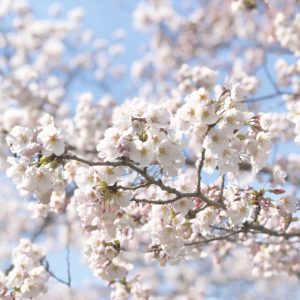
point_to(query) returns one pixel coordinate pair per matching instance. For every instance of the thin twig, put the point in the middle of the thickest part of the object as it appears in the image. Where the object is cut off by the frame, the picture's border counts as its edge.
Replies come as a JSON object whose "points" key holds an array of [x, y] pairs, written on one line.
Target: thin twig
{"points": [[222, 188], [47, 267], [275, 86], [201, 163], [218, 238], [68, 255]]}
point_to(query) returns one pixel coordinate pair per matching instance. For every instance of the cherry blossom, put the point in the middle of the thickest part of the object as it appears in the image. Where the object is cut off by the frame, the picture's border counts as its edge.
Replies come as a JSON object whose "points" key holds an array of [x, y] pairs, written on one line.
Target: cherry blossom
{"points": [[190, 167]]}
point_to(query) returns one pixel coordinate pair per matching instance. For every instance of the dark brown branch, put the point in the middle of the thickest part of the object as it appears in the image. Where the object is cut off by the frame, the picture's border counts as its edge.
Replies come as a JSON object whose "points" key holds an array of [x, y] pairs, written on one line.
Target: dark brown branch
{"points": [[126, 163], [159, 202], [192, 213], [131, 188], [265, 230]]}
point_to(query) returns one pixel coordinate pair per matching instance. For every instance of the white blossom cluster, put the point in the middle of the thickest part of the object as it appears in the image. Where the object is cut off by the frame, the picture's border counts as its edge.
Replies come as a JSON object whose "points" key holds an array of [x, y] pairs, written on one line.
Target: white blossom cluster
{"points": [[31, 171], [249, 83], [27, 277], [287, 73], [219, 126], [191, 79], [189, 36], [101, 256], [90, 121], [294, 117], [42, 58], [278, 126], [289, 167], [184, 169], [268, 260], [146, 137], [101, 211], [288, 32]]}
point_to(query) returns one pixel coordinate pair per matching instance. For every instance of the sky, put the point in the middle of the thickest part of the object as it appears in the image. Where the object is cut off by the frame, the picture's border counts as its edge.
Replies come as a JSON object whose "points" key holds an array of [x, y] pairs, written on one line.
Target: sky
{"points": [[103, 17]]}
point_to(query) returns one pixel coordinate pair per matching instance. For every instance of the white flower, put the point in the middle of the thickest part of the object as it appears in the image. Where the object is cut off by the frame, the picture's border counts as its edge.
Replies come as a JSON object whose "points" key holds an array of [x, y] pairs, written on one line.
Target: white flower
{"points": [[199, 97], [250, 84], [187, 112], [46, 120], [201, 224], [122, 198], [19, 138], [279, 175], [53, 49], [238, 212], [28, 277], [142, 152], [290, 203], [264, 141], [39, 275], [43, 179], [17, 169], [170, 242], [232, 119], [38, 210], [108, 148], [266, 121], [157, 116], [205, 77], [109, 174], [237, 92], [258, 159], [210, 162], [216, 140], [15, 277], [167, 153], [183, 206], [30, 289], [23, 261], [85, 177], [52, 140], [207, 114], [228, 161], [120, 293], [114, 272], [36, 180], [26, 247], [3, 280]]}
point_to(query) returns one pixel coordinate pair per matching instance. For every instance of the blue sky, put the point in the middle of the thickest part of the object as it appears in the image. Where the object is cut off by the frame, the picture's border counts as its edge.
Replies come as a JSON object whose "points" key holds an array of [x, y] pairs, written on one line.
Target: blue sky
{"points": [[103, 17]]}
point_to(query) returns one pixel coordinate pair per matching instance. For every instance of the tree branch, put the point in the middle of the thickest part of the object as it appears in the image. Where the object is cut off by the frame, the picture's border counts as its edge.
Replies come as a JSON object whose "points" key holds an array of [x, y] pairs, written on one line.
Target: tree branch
{"points": [[218, 238]]}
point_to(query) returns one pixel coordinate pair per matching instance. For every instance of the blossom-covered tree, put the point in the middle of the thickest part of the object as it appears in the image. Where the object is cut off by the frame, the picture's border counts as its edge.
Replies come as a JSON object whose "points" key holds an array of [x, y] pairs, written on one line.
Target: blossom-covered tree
{"points": [[185, 181]]}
